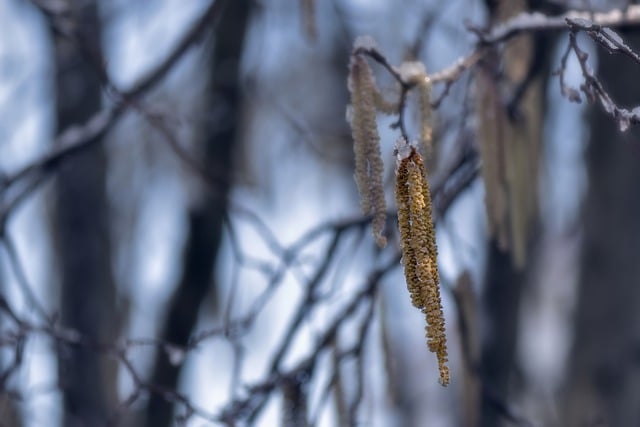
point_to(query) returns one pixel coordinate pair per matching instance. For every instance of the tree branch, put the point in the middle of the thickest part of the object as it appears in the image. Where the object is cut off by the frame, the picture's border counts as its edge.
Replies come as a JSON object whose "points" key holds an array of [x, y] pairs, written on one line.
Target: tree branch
{"points": [[79, 138]]}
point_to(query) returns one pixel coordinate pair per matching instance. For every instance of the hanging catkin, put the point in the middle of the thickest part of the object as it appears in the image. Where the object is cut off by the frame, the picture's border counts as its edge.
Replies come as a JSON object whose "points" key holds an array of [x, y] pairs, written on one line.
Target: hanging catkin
{"points": [[417, 232], [366, 145], [415, 75], [419, 251]]}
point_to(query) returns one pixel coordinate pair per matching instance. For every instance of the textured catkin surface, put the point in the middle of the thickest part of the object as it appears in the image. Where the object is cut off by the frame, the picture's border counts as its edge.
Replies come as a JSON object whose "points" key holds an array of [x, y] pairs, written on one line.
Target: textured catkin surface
{"points": [[417, 233], [424, 104], [363, 126], [366, 143], [419, 252]]}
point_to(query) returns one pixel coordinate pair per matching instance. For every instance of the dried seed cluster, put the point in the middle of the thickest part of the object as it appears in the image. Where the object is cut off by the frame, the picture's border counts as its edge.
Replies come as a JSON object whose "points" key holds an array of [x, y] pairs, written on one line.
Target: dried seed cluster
{"points": [[419, 251]]}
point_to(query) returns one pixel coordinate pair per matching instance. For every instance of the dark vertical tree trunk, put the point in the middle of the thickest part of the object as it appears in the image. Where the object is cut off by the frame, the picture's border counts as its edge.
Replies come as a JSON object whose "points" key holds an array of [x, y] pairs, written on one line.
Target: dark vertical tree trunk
{"points": [[604, 370], [81, 228], [526, 65], [9, 414], [504, 280], [501, 304], [206, 215]]}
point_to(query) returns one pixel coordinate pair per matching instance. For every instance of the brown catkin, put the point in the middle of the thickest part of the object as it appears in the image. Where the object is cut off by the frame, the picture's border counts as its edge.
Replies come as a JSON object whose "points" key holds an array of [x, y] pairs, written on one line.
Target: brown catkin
{"points": [[419, 252], [430, 240], [404, 225]]}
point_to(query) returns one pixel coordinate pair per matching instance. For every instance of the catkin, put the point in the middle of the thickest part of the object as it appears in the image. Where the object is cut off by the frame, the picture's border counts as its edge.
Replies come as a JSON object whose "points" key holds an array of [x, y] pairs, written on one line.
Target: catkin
{"points": [[404, 226], [424, 104], [366, 143], [362, 120], [419, 251], [415, 74]]}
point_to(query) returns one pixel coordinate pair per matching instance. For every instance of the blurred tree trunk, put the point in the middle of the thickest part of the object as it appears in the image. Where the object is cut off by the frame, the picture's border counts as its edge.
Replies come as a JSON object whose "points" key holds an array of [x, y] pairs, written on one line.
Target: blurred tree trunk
{"points": [[517, 116], [504, 278], [81, 229], [9, 414], [501, 308], [604, 373], [207, 213]]}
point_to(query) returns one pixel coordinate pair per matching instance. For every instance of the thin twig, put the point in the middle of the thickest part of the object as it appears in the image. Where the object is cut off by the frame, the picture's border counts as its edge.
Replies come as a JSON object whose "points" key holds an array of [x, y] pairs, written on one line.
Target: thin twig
{"points": [[79, 138]]}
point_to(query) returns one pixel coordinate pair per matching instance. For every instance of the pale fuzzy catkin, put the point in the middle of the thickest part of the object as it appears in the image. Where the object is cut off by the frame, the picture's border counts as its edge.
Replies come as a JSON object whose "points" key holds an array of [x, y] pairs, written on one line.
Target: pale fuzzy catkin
{"points": [[366, 143]]}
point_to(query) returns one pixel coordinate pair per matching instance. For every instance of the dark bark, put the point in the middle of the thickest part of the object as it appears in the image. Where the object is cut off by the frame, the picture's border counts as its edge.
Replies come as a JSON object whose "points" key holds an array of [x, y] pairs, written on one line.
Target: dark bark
{"points": [[526, 67], [205, 216], [81, 228], [501, 301], [604, 381], [9, 413]]}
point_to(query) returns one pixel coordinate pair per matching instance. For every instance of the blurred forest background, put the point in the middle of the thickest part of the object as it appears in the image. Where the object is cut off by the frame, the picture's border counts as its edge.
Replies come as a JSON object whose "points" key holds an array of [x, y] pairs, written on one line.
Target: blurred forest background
{"points": [[180, 235]]}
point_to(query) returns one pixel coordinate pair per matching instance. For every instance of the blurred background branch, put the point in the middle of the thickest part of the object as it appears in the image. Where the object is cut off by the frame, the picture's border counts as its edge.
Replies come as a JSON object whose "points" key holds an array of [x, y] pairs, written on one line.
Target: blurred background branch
{"points": [[197, 258]]}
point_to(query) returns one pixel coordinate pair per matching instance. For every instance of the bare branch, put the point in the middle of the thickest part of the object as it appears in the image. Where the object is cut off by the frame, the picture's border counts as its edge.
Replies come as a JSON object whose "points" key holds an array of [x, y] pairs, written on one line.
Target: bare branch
{"points": [[79, 138], [533, 23], [592, 87], [606, 37], [537, 22]]}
